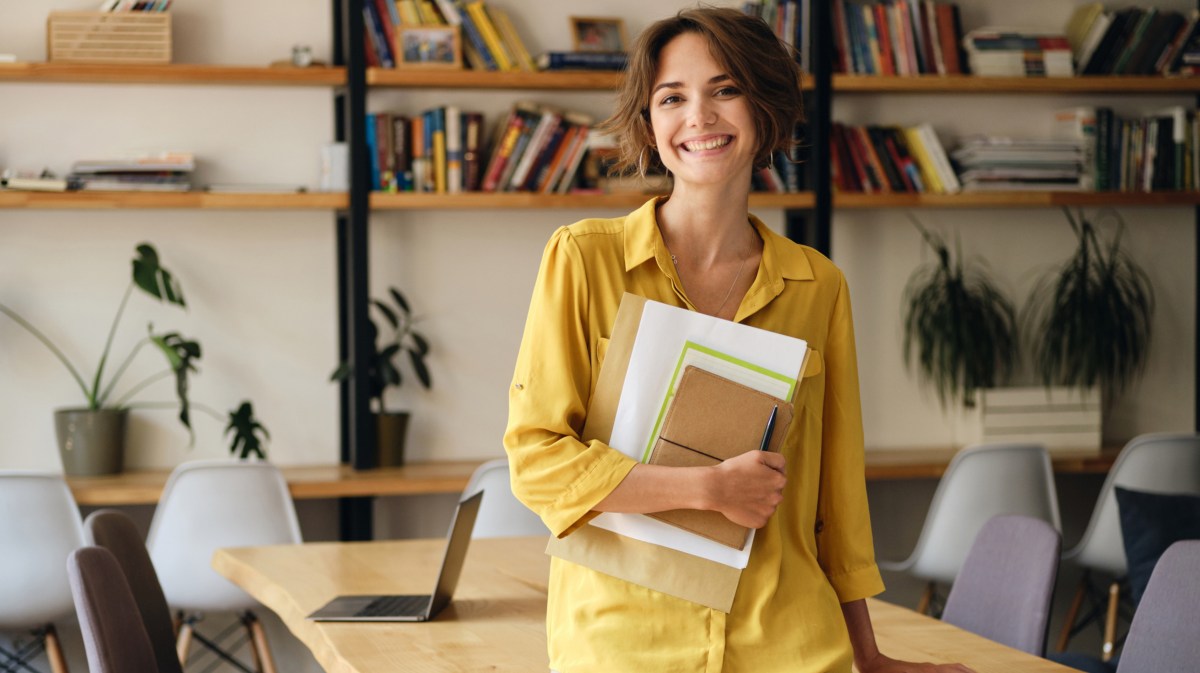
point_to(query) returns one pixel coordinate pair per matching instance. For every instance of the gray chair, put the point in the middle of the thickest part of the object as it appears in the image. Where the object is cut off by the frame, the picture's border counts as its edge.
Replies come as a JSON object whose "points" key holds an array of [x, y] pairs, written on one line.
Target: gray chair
{"points": [[1165, 634], [1006, 584], [1157, 463], [981, 482], [113, 635], [117, 533], [500, 514]]}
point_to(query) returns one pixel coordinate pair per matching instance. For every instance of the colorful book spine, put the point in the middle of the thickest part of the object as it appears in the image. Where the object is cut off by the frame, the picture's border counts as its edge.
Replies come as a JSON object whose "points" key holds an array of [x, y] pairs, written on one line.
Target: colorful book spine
{"points": [[512, 39], [479, 15], [582, 60], [454, 150]]}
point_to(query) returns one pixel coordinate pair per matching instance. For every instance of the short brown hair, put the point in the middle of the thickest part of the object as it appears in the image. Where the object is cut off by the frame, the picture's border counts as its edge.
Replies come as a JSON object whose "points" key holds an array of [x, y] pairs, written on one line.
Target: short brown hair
{"points": [[757, 61]]}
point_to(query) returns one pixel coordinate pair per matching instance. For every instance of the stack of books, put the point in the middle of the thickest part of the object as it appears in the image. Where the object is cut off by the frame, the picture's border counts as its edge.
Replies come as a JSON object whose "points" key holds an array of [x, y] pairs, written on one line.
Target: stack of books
{"points": [[489, 39], [992, 163], [883, 159], [165, 172], [898, 37], [1134, 41], [1000, 52]]}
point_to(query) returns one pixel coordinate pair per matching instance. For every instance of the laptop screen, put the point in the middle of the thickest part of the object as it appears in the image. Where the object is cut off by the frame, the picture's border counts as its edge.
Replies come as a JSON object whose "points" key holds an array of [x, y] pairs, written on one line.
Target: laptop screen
{"points": [[456, 551]]}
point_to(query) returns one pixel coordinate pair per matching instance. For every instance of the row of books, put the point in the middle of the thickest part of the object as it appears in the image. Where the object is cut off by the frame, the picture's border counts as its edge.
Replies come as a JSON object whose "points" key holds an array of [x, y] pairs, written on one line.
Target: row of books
{"points": [[877, 159], [1143, 154], [790, 19], [489, 39], [898, 37], [1134, 41], [535, 148], [997, 52]]}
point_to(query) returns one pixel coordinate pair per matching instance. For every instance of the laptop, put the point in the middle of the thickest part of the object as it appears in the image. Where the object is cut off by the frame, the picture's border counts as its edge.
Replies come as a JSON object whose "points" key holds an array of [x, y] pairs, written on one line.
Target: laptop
{"points": [[379, 608]]}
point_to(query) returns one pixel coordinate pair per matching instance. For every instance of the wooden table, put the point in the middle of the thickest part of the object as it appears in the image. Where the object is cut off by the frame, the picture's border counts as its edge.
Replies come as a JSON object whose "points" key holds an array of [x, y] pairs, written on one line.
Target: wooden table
{"points": [[497, 619], [144, 487]]}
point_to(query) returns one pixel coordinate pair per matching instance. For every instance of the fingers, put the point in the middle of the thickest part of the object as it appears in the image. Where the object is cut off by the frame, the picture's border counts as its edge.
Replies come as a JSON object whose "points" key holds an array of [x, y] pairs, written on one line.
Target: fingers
{"points": [[774, 461]]}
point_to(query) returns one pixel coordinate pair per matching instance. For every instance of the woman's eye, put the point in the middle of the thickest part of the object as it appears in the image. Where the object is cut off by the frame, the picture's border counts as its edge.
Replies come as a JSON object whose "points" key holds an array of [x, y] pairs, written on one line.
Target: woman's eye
{"points": [[728, 91], [670, 100]]}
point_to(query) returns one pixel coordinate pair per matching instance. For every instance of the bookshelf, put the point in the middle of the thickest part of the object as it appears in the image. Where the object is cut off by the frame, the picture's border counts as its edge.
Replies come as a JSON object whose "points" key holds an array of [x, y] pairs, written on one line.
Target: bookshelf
{"points": [[178, 200]]}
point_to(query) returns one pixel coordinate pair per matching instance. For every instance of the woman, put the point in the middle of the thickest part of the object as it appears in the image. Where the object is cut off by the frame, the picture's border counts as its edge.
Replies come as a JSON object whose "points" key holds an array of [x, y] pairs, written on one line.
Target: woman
{"points": [[710, 93]]}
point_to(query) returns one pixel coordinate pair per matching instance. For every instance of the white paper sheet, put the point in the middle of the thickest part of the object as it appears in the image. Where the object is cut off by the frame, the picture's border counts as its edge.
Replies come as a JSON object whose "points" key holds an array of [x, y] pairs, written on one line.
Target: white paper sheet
{"points": [[662, 334]]}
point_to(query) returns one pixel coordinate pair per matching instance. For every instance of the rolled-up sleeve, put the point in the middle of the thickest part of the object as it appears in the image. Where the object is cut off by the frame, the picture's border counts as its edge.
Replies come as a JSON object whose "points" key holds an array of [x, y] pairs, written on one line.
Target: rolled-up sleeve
{"points": [[844, 544], [554, 473]]}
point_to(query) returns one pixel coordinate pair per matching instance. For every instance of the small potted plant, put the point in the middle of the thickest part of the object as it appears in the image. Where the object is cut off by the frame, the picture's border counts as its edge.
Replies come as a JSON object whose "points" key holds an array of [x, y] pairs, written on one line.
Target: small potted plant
{"points": [[400, 342], [91, 437], [959, 330], [1092, 316]]}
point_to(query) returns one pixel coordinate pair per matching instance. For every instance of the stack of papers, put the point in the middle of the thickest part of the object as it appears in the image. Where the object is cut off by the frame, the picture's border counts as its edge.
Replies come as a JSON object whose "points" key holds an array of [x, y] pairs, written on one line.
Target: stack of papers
{"points": [[161, 172], [998, 163], [1004, 52]]}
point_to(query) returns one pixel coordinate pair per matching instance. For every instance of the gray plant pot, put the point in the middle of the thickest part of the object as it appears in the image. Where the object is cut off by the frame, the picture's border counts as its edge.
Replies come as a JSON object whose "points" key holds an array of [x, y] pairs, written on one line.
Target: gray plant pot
{"points": [[392, 428], [91, 441]]}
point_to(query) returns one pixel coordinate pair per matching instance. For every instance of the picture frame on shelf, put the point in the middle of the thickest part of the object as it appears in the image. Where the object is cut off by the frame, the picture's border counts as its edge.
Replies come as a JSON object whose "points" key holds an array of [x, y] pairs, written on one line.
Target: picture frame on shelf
{"points": [[600, 34], [429, 47]]}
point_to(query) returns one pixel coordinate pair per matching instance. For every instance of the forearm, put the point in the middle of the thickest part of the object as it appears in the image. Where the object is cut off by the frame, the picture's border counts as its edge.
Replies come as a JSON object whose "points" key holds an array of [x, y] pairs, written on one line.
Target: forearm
{"points": [[655, 488], [862, 635]]}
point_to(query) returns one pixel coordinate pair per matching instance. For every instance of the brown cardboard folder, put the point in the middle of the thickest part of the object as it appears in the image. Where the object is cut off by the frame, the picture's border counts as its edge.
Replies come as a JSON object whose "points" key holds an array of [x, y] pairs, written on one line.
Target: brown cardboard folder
{"points": [[710, 420], [662, 569]]}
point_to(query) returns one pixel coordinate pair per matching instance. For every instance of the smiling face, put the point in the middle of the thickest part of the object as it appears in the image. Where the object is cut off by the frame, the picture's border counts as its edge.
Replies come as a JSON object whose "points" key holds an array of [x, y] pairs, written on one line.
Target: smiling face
{"points": [[703, 126]]}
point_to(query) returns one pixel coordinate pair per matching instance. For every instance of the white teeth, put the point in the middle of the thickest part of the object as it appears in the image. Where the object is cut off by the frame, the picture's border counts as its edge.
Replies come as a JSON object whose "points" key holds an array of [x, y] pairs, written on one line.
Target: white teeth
{"points": [[698, 146]]}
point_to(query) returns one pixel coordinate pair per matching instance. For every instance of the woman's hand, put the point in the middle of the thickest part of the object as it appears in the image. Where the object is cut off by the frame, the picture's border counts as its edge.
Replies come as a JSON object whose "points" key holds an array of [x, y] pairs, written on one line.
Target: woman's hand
{"points": [[884, 664], [748, 488]]}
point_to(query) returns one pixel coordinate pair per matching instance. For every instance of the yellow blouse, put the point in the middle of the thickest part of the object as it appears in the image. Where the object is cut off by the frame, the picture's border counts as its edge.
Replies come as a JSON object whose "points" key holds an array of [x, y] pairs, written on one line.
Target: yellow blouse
{"points": [[815, 553]]}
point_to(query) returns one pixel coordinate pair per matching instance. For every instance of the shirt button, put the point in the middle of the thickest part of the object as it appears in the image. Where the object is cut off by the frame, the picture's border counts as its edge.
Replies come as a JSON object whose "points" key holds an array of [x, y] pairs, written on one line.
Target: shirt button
{"points": [[519, 386]]}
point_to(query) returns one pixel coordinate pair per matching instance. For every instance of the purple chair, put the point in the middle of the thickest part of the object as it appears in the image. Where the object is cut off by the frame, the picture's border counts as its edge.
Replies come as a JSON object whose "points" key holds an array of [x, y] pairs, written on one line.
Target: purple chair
{"points": [[1165, 634], [117, 533], [113, 635], [1004, 589]]}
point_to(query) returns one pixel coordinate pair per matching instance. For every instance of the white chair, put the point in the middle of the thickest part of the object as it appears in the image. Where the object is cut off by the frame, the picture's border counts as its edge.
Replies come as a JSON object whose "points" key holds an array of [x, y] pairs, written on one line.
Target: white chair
{"points": [[500, 513], [39, 528], [1158, 463], [981, 482], [204, 506]]}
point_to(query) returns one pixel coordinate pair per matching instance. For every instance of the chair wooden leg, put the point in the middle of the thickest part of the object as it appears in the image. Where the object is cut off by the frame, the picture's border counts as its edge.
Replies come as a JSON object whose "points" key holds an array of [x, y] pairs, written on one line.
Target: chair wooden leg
{"points": [[183, 642], [263, 660], [1110, 621], [58, 663], [1072, 614], [926, 597]]}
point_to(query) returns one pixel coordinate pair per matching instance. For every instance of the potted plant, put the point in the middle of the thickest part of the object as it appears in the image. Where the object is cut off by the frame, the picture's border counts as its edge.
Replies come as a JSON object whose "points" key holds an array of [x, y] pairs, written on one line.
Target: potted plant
{"points": [[401, 342], [1092, 316], [959, 330], [91, 437]]}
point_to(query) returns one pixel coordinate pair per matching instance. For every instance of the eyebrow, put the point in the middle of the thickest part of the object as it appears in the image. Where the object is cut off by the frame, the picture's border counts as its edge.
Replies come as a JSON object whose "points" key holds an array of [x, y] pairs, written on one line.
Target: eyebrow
{"points": [[676, 85]]}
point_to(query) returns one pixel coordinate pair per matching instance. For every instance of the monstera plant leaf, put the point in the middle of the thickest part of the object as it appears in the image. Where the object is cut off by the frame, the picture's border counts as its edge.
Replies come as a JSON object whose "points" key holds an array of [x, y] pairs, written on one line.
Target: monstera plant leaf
{"points": [[149, 275], [181, 354]]}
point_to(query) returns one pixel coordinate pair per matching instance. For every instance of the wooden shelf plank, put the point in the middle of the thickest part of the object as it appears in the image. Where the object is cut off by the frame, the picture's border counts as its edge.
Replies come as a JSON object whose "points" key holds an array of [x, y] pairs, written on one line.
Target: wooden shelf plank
{"points": [[518, 200], [926, 463], [185, 200], [174, 73], [1014, 200], [144, 487], [479, 79], [965, 84], [580, 80]]}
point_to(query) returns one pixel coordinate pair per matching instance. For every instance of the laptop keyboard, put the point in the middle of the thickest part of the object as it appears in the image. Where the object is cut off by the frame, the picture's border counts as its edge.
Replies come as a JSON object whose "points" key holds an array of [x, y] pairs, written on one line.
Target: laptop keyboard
{"points": [[386, 606]]}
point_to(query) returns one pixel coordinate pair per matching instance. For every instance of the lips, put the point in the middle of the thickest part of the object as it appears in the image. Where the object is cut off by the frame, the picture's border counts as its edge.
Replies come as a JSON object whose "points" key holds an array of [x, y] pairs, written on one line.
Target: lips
{"points": [[712, 143]]}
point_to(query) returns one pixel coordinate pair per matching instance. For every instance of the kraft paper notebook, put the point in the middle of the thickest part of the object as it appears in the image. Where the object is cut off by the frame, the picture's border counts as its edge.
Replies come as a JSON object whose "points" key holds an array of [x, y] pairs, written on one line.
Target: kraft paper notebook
{"points": [[620, 553], [712, 419]]}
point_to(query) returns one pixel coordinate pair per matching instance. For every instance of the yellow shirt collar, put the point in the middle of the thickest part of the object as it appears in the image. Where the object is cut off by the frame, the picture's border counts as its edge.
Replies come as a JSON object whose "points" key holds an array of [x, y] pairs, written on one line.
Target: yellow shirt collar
{"points": [[643, 241]]}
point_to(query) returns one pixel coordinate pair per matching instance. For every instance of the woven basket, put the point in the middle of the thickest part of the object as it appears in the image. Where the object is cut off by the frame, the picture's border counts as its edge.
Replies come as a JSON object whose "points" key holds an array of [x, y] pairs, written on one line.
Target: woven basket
{"points": [[108, 37]]}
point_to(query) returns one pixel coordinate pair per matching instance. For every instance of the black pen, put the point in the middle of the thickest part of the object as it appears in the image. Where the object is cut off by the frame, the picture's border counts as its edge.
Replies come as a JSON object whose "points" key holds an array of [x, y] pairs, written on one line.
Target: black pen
{"points": [[766, 438]]}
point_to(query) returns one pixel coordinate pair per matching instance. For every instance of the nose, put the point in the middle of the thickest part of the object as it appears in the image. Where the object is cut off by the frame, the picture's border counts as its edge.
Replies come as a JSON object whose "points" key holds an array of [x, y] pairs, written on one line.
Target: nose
{"points": [[701, 112]]}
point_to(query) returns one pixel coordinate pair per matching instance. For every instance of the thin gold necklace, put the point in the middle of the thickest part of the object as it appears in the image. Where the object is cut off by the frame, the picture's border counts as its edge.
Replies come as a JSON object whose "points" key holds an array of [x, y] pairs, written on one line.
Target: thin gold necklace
{"points": [[728, 292]]}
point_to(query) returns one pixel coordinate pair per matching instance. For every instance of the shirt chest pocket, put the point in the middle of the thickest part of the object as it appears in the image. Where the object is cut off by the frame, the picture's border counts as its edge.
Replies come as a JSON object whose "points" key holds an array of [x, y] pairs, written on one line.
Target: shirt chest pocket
{"points": [[812, 382]]}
